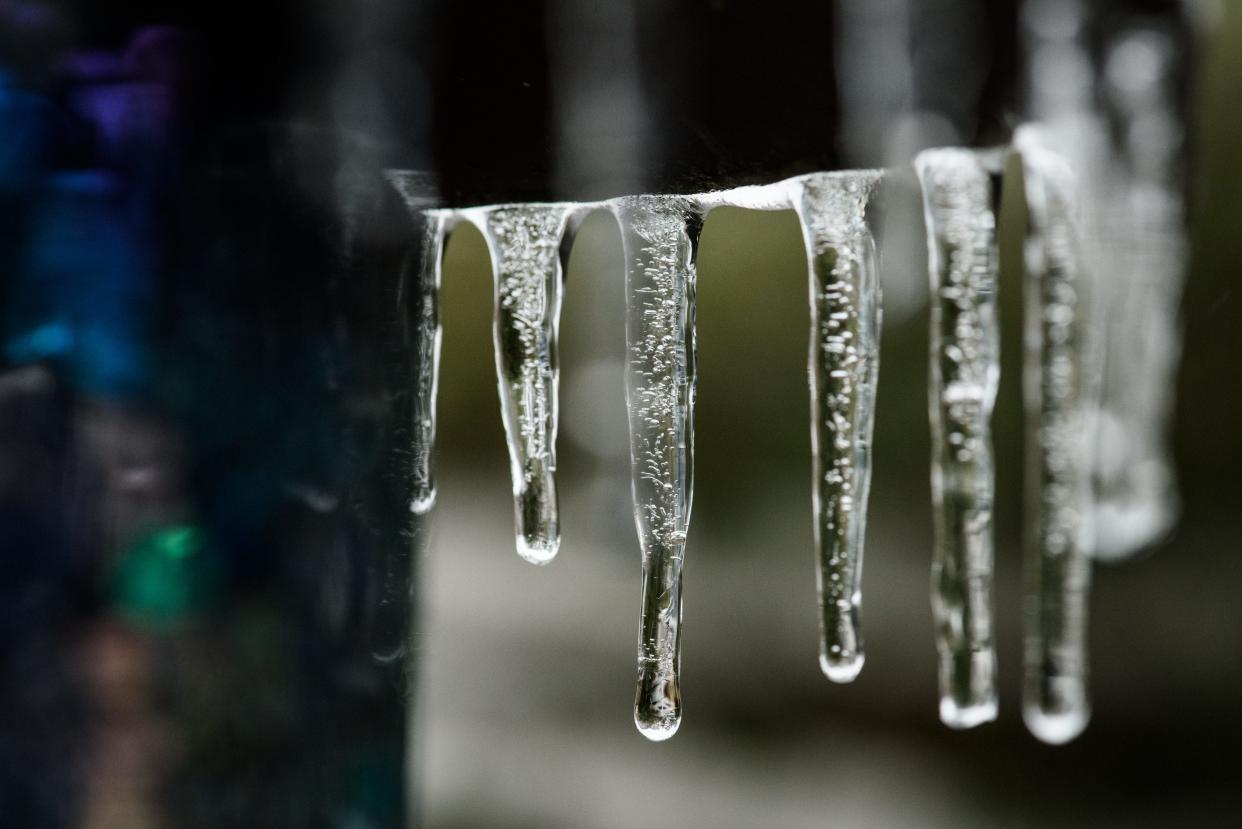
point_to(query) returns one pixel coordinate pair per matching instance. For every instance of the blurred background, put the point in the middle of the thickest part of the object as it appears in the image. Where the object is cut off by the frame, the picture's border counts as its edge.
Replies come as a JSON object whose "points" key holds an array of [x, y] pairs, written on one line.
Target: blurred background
{"points": [[203, 406]]}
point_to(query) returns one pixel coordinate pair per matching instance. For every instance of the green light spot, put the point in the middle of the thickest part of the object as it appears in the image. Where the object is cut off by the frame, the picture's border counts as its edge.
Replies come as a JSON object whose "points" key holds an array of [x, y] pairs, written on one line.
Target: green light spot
{"points": [[163, 579], [178, 542]]}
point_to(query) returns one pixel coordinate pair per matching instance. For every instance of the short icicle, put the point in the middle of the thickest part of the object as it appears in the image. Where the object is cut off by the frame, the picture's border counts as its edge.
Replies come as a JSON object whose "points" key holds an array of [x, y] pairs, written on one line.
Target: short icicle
{"points": [[1056, 706], [961, 191], [418, 190], [844, 360], [528, 245], [660, 237]]}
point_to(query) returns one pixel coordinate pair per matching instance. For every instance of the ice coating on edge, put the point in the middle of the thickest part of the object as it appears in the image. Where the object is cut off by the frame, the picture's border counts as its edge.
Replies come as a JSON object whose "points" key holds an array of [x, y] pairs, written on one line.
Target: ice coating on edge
{"points": [[960, 199], [660, 238], [1137, 291], [427, 337], [843, 364], [527, 244], [419, 192], [1055, 700]]}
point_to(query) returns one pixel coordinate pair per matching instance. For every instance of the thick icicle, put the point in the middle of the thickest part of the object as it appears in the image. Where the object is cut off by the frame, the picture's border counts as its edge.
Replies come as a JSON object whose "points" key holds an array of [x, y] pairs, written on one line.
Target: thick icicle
{"points": [[844, 359], [1055, 704], [527, 244], [1138, 287], [660, 236], [960, 196], [419, 190]]}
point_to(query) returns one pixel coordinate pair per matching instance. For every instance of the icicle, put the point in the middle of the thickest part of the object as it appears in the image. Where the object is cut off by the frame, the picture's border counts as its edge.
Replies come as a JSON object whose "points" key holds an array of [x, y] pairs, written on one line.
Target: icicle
{"points": [[427, 353], [960, 196], [527, 244], [1138, 284], [844, 358], [1055, 704], [660, 236], [419, 192]]}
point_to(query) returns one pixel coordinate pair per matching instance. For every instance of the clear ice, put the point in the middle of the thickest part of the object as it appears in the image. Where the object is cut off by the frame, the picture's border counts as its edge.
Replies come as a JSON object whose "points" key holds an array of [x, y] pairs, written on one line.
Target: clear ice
{"points": [[961, 190], [1055, 700], [418, 191], [529, 245], [660, 238], [844, 360]]}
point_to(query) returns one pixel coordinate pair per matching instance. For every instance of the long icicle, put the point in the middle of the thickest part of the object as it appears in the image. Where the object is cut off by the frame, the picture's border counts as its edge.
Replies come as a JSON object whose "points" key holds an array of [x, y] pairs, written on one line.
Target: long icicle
{"points": [[528, 244], [660, 236], [1055, 700], [961, 192], [844, 360]]}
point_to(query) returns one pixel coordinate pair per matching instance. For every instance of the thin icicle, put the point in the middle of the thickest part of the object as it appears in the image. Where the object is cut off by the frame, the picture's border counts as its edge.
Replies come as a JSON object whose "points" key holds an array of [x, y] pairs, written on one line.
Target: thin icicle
{"points": [[527, 244], [1138, 286], [427, 355], [419, 191], [660, 236], [961, 190], [844, 359], [1055, 704]]}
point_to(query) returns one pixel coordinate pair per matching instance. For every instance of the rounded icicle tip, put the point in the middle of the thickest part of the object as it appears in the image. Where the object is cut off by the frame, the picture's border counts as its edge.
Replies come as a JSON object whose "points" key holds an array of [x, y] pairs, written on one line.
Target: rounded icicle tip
{"points": [[659, 730], [657, 701], [538, 551], [421, 504], [841, 667], [1056, 727], [961, 717]]}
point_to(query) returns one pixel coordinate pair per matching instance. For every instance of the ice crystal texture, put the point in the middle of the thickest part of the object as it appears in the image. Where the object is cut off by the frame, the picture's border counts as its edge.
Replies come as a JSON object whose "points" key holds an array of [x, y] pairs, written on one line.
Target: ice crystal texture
{"points": [[527, 244], [961, 195], [660, 238]]}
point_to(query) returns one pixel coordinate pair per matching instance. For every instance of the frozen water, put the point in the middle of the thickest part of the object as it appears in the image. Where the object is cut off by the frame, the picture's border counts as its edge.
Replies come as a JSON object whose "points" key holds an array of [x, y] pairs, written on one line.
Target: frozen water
{"points": [[1137, 293], [419, 192], [528, 245], [1055, 703], [427, 336], [1117, 121], [844, 360], [961, 191], [660, 238]]}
